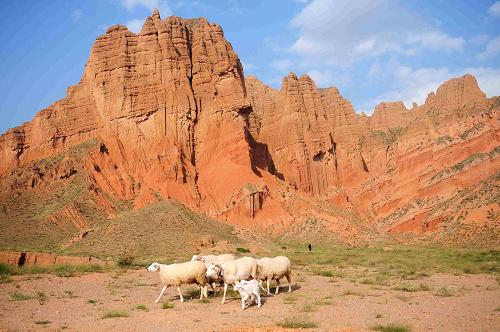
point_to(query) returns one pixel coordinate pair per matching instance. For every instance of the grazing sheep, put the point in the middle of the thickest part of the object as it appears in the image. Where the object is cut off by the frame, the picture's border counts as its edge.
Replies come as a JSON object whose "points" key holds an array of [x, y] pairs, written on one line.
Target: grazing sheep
{"points": [[274, 269], [248, 289], [213, 259], [233, 271], [181, 273]]}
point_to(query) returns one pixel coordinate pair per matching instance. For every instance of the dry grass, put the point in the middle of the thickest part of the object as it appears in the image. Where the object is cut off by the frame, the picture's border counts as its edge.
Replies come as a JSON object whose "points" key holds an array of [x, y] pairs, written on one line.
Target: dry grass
{"points": [[392, 327], [297, 323], [114, 314]]}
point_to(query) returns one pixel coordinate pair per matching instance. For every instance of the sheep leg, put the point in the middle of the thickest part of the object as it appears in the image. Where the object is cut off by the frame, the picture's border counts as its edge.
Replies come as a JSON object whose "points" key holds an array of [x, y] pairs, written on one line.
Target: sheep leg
{"points": [[258, 299], [243, 301], [162, 291], [224, 296], [268, 282], [180, 294], [201, 292], [205, 290], [260, 284], [277, 287], [289, 279]]}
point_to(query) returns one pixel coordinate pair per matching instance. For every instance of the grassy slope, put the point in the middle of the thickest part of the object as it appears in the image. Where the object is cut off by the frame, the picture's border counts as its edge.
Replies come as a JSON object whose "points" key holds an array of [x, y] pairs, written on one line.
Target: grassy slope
{"points": [[161, 230], [35, 218]]}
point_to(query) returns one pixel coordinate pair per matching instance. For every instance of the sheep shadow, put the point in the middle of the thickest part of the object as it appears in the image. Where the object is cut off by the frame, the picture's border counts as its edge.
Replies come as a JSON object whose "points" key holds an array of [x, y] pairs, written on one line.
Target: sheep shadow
{"points": [[283, 289]]}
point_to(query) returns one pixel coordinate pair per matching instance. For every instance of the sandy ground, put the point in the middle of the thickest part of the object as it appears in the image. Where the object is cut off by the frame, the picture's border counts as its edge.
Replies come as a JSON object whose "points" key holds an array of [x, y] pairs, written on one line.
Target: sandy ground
{"points": [[343, 305]]}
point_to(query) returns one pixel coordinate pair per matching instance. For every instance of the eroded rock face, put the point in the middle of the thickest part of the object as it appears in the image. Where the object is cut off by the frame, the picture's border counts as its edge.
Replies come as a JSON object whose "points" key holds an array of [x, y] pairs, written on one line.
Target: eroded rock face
{"points": [[170, 115], [168, 106], [397, 167]]}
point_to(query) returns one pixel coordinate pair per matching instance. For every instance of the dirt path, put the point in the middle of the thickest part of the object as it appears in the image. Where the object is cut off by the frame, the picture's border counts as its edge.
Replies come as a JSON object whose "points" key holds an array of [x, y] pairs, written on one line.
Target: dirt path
{"points": [[344, 305]]}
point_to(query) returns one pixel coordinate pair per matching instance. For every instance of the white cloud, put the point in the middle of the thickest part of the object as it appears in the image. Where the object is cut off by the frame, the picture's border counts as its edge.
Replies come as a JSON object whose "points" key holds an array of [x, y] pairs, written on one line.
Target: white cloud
{"points": [[135, 25], [495, 9], [437, 40], [415, 84], [342, 31], [491, 50], [76, 15]]}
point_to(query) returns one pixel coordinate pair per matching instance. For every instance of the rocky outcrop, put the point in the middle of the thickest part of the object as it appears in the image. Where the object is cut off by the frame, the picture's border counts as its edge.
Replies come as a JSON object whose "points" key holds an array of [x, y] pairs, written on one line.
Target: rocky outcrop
{"points": [[45, 259], [168, 106], [167, 114], [397, 166]]}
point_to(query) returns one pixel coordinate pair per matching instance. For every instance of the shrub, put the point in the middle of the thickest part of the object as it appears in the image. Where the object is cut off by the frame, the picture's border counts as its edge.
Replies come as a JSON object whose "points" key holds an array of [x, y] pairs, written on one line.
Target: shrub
{"points": [[141, 307], [297, 323], [42, 298], [242, 250], [167, 305], [125, 260], [114, 314], [15, 296], [5, 269], [42, 322]]}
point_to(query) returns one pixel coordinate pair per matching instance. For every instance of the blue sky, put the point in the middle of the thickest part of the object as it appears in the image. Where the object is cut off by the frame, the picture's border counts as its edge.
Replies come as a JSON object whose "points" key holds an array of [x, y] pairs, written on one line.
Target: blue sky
{"points": [[371, 50]]}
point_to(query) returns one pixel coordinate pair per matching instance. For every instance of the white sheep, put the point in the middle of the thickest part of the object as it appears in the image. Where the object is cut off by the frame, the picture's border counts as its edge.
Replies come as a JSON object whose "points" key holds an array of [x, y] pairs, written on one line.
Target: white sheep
{"points": [[233, 271], [213, 259], [248, 289], [181, 273], [274, 269]]}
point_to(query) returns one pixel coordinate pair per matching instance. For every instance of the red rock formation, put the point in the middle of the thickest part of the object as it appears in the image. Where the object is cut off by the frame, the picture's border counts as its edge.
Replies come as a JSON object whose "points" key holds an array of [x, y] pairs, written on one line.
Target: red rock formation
{"points": [[396, 166], [168, 106], [170, 115]]}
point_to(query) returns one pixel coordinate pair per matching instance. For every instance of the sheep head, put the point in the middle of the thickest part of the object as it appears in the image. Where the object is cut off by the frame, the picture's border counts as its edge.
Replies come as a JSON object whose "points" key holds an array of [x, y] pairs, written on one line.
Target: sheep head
{"points": [[214, 271], [155, 267]]}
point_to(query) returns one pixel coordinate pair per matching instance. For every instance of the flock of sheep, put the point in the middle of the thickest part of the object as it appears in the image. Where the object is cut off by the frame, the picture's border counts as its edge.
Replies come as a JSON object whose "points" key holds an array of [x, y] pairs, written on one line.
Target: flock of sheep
{"points": [[246, 274]]}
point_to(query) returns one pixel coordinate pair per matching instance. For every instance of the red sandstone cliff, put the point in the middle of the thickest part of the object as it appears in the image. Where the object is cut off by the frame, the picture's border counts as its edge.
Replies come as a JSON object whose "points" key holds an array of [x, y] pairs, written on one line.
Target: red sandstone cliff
{"points": [[168, 114], [403, 170]]}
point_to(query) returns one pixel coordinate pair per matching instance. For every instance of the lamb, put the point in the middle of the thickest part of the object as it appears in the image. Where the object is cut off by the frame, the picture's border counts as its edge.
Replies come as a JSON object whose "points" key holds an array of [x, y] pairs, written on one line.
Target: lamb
{"points": [[213, 259], [233, 271], [181, 273], [248, 289], [274, 269]]}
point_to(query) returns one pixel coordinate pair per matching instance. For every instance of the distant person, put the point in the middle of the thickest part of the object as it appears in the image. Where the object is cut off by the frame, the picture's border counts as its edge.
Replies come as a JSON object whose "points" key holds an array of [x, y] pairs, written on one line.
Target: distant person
{"points": [[310, 247]]}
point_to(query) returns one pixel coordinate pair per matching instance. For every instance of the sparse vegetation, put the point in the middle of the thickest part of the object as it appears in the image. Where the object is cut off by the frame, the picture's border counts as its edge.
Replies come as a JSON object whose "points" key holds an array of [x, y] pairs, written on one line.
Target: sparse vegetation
{"points": [[448, 291], [392, 327], [324, 301], [42, 322], [242, 250], [114, 314], [42, 298], [167, 305], [142, 307], [5, 279], [306, 307], [92, 301], [351, 292], [444, 140], [412, 287], [16, 296], [297, 323]]}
